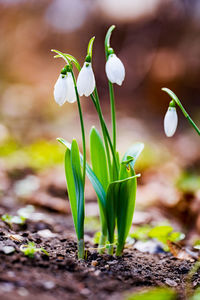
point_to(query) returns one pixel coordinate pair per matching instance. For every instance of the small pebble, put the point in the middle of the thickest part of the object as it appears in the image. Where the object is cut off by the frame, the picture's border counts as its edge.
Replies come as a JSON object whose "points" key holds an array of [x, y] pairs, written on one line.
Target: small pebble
{"points": [[113, 262], [49, 285], [85, 292], [6, 287], [46, 233], [170, 282], [151, 246], [11, 274], [97, 272], [22, 292], [107, 266], [8, 249]]}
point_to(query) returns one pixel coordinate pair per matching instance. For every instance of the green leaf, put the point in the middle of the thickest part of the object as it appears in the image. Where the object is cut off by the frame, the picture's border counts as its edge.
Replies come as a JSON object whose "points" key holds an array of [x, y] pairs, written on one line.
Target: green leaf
{"points": [[160, 231], [78, 180], [92, 177], [163, 233], [90, 47], [120, 203], [176, 236], [98, 157], [71, 187], [75, 187], [133, 153], [196, 295], [62, 55], [125, 205], [141, 233], [68, 58], [154, 294], [73, 60], [100, 168], [111, 206]]}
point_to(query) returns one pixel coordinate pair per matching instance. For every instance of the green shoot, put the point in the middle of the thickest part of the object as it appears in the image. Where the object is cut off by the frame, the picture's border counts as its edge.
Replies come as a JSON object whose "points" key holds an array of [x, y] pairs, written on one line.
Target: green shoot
{"points": [[10, 220], [161, 233], [30, 250]]}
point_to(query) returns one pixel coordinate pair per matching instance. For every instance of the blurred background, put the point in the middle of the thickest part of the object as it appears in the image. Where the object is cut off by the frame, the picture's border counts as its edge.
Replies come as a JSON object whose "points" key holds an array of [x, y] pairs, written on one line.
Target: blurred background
{"points": [[159, 44]]}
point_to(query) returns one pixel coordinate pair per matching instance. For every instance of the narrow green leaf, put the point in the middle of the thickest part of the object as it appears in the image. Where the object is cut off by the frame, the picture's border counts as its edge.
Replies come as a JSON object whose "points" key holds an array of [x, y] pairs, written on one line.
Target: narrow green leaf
{"points": [[134, 151], [73, 60], [159, 293], [62, 55], [120, 203], [111, 203], [78, 180], [71, 187], [125, 205], [68, 58], [92, 177], [100, 168], [98, 157]]}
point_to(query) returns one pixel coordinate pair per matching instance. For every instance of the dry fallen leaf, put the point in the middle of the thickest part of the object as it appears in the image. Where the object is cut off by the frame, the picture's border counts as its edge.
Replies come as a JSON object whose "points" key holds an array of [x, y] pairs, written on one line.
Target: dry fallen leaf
{"points": [[179, 252]]}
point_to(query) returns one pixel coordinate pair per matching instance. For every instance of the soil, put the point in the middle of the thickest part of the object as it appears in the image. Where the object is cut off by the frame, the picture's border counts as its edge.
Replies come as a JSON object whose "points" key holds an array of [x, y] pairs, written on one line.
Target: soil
{"points": [[62, 276]]}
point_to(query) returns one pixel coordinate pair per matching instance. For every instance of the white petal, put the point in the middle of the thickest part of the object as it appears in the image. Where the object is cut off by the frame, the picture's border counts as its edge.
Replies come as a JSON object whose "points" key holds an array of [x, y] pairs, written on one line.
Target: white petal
{"points": [[71, 94], [86, 80], [115, 70], [170, 121], [60, 90]]}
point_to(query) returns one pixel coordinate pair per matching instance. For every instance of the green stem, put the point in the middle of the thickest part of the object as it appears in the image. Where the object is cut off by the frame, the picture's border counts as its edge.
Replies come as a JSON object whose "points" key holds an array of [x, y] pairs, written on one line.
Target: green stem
{"points": [[178, 102], [82, 128], [193, 124], [113, 114], [81, 249]]}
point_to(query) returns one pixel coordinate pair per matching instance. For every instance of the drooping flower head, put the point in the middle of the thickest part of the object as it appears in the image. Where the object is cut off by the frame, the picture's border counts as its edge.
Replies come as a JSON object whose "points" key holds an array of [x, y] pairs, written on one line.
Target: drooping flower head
{"points": [[115, 70], [60, 88], [86, 80], [64, 89], [170, 120]]}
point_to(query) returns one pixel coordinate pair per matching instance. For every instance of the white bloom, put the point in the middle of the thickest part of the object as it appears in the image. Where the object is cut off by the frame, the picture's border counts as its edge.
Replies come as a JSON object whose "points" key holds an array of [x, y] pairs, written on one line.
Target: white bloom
{"points": [[86, 80], [60, 90], [71, 94], [115, 70], [170, 121]]}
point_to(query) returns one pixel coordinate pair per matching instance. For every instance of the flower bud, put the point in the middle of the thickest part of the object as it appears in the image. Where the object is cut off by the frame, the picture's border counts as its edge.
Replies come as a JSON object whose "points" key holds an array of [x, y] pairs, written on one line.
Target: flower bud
{"points": [[60, 90], [86, 80], [170, 121], [115, 70]]}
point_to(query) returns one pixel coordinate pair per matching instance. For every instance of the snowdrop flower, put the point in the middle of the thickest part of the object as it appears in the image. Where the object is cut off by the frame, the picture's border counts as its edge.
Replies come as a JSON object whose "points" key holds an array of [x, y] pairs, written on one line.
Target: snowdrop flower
{"points": [[170, 121], [86, 81], [60, 90], [115, 70], [71, 94]]}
